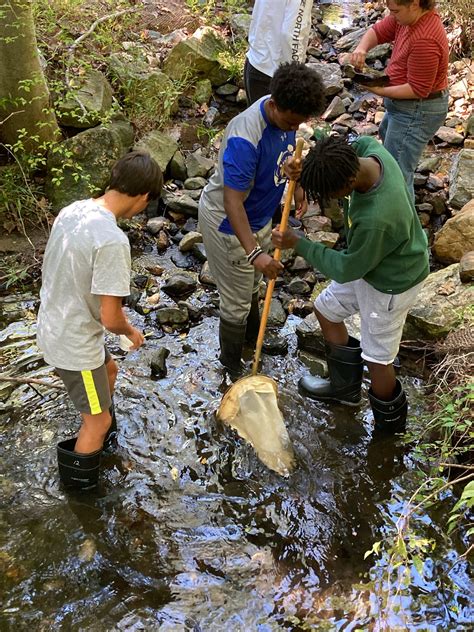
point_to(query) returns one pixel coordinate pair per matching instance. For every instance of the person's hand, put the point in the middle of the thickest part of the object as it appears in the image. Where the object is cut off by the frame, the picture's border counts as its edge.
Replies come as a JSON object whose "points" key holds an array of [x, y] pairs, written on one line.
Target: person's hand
{"points": [[285, 240], [268, 266], [292, 168], [301, 203], [136, 337], [357, 58]]}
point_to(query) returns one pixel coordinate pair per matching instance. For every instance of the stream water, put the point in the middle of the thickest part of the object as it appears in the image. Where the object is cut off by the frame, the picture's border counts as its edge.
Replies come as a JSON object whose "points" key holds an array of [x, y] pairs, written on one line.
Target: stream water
{"points": [[188, 530]]}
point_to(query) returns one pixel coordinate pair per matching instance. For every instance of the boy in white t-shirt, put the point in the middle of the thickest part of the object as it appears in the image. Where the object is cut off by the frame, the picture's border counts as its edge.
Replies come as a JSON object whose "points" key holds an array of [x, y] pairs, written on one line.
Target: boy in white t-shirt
{"points": [[86, 274]]}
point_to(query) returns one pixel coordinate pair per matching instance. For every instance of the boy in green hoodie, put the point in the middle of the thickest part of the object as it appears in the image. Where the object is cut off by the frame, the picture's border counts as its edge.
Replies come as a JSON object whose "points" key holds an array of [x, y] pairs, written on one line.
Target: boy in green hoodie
{"points": [[379, 274]]}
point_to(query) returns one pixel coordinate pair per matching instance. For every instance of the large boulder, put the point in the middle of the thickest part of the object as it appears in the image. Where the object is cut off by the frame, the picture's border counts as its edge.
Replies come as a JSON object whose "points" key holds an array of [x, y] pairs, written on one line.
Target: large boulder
{"points": [[439, 306], [80, 166], [456, 237], [198, 56], [146, 90], [160, 146], [461, 189], [330, 74], [88, 102]]}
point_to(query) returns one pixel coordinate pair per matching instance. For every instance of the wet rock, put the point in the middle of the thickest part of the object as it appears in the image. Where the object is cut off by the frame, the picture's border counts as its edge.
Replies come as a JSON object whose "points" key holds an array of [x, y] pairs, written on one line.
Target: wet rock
{"points": [[316, 366], [274, 344], [331, 76], [180, 284], [158, 362], [173, 316], [299, 307], [199, 251], [162, 240], [334, 109], [94, 93], [190, 226], [450, 136], [325, 238], [189, 240], [180, 203], [466, 267], [132, 299], [433, 316], [298, 286], [140, 281], [195, 183], [456, 237], [203, 91], [160, 146], [461, 189], [198, 56], [198, 165], [177, 167], [182, 260], [310, 337], [277, 315], [425, 207], [206, 277], [156, 224]]}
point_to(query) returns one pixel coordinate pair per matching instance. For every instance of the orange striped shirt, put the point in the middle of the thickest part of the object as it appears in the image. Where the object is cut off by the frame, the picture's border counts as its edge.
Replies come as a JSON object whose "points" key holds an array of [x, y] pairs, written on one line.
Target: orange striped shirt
{"points": [[420, 53]]}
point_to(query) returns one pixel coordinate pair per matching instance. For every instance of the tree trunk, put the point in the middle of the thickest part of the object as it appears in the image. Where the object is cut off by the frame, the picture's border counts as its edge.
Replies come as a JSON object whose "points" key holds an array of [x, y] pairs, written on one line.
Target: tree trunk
{"points": [[24, 95]]}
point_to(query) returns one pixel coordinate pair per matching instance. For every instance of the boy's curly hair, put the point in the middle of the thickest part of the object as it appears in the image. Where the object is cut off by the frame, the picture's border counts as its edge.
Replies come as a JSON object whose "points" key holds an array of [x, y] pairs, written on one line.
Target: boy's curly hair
{"points": [[298, 88], [328, 167]]}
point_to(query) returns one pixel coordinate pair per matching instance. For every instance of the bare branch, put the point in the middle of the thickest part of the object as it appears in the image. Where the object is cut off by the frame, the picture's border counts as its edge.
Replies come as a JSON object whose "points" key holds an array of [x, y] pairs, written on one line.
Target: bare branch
{"points": [[30, 380]]}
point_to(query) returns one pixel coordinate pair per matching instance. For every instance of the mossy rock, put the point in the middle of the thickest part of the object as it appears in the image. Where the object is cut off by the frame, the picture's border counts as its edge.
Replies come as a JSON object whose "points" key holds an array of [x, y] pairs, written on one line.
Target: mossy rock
{"points": [[80, 166], [94, 93], [160, 146], [198, 56]]}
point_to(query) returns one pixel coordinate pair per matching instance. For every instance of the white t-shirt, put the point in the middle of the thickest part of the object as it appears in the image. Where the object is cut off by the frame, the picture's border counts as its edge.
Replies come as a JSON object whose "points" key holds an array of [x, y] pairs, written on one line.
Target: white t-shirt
{"points": [[87, 256], [279, 32]]}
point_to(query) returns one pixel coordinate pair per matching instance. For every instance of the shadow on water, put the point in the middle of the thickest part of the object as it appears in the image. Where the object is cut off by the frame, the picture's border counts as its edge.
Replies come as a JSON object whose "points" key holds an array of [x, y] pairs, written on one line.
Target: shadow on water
{"points": [[188, 530]]}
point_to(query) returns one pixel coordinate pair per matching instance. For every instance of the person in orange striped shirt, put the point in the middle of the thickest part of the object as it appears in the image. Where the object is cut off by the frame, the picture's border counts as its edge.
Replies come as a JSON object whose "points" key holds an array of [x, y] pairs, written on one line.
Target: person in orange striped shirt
{"points": [[416, 100]]}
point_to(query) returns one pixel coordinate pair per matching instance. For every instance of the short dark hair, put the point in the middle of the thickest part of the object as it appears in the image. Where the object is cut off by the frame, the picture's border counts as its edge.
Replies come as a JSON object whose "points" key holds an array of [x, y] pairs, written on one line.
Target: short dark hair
{"points": [[328, 168], [298, 88], [135, 174]]}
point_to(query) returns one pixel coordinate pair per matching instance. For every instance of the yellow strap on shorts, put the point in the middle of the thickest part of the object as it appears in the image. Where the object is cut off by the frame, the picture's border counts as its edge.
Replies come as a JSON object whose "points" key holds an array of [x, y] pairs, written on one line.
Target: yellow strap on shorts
{"points": [[91, 392]]}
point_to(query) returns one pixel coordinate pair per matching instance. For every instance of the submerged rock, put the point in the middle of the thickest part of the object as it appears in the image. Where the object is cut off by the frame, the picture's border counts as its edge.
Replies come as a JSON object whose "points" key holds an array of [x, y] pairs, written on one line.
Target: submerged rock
{"points": [[158, 362]]}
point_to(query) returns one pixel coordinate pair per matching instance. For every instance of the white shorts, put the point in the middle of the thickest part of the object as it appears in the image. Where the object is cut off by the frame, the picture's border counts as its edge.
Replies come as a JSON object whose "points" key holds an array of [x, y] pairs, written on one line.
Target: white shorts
{"points": [[382, 316]]}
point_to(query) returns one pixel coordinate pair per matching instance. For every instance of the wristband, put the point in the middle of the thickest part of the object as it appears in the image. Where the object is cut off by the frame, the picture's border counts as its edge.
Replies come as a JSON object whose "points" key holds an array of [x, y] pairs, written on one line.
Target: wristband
{"points": [[254, 254]]}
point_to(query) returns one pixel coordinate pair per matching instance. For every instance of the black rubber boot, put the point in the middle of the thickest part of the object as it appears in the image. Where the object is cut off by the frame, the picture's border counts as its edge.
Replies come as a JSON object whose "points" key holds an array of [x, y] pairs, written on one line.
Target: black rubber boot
{"points": [[253, 321], [345, 366], [79, 471], [231, 340], [390, 417], [110, 440]]}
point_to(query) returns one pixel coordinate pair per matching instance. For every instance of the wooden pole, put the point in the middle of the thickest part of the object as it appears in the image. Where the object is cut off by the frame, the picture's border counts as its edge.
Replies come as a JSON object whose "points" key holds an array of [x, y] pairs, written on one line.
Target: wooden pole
{"points": [[276, 256]]}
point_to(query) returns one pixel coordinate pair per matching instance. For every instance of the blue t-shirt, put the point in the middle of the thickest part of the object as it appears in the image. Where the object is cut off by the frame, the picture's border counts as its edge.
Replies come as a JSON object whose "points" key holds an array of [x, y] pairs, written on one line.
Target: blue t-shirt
{"points": [[251, 159]]}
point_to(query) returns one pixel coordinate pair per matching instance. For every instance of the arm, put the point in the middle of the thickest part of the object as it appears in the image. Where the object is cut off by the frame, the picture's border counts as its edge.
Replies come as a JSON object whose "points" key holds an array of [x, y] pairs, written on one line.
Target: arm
{"points": [[235, 210], [363, 255], [358, 55], [403, 91], [113, 318]]}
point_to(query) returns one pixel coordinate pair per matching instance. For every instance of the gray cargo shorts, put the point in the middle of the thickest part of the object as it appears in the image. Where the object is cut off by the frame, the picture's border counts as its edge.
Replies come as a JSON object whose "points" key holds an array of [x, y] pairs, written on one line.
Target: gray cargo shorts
{"points": [[382, 316]]}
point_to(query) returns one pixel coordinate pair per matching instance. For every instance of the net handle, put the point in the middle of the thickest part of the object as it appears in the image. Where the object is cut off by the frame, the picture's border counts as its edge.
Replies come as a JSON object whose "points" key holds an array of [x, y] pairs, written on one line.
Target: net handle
{"points": [[276, 256]]}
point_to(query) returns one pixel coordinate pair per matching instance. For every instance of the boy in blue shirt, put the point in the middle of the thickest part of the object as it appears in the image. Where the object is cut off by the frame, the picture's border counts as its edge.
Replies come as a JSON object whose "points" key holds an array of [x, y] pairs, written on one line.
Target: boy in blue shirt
{"points": [[237, 205]]}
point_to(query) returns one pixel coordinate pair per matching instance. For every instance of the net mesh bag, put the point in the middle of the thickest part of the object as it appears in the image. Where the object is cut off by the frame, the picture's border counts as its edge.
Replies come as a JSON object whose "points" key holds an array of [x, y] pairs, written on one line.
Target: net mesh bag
{"points": [[250, 406]]}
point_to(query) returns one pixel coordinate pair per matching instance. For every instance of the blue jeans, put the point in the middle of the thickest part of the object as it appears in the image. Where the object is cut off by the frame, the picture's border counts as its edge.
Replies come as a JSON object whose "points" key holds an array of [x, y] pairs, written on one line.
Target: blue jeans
{"points": [[408, 126]]}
